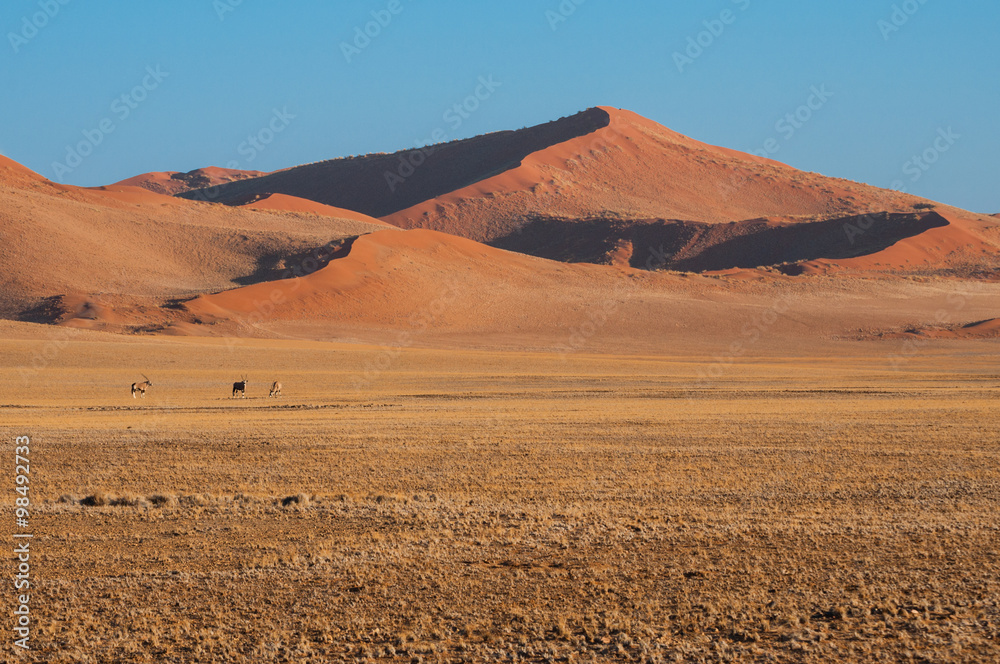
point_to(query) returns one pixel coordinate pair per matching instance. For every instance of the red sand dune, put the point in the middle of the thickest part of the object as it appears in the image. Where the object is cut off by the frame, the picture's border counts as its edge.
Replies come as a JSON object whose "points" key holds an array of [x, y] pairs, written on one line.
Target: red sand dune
{"points": [[983, 329], [380, 271], [380, 184], [80, 252], [954, 240], [604, 187], [171, 183], [874, 242], [423, 282], [11, 172], [636, 169], [603, 163], [633, 168], [284, 203], [402, 288], [611, 187]]}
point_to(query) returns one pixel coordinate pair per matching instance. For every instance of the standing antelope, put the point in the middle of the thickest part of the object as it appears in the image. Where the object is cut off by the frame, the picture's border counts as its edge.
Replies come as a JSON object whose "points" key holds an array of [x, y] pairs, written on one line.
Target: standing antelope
{"points": [[275, 389], [240, 387], [141, 387]]}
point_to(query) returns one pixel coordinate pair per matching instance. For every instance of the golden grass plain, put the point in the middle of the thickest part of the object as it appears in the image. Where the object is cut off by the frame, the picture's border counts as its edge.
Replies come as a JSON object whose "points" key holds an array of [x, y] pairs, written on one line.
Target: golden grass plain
{"points": [[506, 506]]}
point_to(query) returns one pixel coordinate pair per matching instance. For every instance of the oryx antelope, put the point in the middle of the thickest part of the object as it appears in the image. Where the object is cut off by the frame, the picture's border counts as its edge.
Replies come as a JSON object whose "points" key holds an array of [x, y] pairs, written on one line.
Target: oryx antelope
{"points": [[141, 388], [240, 388], [275, 389]]}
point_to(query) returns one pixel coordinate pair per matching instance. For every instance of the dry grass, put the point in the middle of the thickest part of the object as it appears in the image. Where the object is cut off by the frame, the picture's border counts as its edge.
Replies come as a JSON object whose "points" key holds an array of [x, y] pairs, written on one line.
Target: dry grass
{"points": [[477, 506]]}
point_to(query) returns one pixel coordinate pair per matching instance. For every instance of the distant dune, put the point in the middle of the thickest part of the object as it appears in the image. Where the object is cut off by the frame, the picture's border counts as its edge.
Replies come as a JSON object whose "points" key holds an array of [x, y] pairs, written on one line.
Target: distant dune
{"points": [[425, 287], [380, 184], [82, 252], [171, 183], [601, 163], [284, 203], [603, 221], [608, 186], [632, 168]]}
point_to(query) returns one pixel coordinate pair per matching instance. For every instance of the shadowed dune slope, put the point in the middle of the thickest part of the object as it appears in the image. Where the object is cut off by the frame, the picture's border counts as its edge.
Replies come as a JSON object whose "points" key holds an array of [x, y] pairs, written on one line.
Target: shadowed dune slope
{"points": [[380, 184], [873, 242]]}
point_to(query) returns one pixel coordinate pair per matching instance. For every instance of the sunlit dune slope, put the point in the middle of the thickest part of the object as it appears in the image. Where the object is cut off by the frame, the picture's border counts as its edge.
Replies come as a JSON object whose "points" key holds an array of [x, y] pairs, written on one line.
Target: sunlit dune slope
{"points": [[174, 182], [62, 246]]}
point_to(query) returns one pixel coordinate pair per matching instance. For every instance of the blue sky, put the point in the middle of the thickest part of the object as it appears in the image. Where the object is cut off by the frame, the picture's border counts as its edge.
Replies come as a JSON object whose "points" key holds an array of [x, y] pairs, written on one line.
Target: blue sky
{"points": [[896, 78]]}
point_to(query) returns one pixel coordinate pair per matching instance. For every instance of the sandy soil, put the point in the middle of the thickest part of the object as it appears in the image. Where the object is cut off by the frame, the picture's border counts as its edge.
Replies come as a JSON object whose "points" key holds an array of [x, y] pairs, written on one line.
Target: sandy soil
{"points": [[399, 504]]}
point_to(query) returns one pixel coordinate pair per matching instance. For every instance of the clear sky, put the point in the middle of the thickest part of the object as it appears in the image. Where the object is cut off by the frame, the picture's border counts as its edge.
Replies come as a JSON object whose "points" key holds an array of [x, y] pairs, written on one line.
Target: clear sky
{"points": [[183, 84]]}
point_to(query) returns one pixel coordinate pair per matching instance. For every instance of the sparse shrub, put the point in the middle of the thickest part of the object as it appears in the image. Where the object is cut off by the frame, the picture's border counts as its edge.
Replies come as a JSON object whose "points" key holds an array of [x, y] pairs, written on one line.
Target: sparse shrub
{"points": [[193, 501], [158, 500], [128, 501], [98, 499], [301, 500]]}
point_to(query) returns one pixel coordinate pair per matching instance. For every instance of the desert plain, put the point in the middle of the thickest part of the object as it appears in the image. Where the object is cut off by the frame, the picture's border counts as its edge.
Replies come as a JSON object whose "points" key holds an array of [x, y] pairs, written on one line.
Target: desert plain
{"points": [[587, 391], [471, 505]]}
